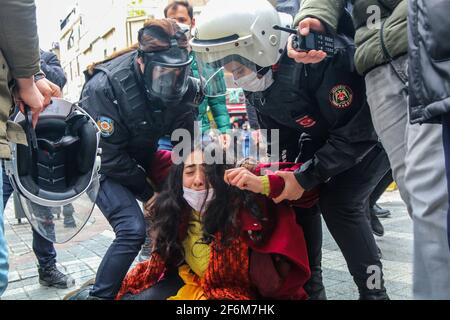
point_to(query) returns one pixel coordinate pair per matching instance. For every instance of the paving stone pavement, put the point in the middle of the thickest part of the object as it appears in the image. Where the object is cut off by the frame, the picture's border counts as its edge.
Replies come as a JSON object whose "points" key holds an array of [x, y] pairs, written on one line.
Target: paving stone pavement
{"points": [[81, 257]]}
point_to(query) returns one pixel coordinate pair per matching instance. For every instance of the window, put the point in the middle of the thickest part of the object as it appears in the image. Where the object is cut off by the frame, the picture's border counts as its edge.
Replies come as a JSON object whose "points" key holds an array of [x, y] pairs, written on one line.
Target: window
{"points": [[78, 68], [70, 41]]}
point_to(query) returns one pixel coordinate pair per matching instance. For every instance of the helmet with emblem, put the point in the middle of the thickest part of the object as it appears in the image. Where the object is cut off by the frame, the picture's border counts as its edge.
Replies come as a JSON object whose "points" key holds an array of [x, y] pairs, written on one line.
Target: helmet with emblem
{"points": [[239, 39]]}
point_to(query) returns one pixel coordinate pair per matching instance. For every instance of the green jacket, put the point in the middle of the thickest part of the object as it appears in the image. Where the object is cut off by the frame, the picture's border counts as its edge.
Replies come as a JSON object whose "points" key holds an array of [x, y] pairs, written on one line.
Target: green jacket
{"points": [[19, 58], [376, 44], [218, 108]]}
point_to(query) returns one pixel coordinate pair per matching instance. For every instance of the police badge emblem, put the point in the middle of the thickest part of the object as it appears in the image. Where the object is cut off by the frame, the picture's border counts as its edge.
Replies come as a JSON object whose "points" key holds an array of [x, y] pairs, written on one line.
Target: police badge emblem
{"points": [[341, 96], [106, 126]]}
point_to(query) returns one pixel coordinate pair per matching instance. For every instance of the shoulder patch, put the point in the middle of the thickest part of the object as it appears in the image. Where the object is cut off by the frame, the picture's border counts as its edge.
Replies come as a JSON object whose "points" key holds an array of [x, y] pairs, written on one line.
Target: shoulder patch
{"points": [[106, 126], [341, 96]]}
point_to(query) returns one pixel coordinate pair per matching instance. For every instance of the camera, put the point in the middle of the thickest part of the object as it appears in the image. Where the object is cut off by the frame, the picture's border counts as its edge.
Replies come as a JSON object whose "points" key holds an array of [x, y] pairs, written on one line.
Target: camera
{"points": [[313, 41]]}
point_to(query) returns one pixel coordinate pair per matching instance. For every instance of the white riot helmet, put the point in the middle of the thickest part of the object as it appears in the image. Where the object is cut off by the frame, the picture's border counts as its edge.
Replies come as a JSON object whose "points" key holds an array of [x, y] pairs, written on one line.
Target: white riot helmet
{"points": [[56, 176], [237, 36]]}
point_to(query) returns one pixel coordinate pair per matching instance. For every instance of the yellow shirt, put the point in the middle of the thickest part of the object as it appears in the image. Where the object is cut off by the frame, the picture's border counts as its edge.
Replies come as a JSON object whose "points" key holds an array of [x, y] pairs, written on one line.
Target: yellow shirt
{"points": [[196, 253]]}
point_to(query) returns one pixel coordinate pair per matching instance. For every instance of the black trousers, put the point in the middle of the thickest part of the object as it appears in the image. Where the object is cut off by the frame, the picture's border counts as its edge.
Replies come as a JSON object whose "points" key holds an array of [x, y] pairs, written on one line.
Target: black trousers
{"points": [[381, 187], [164, 289], [344, 202], [120, 208]]}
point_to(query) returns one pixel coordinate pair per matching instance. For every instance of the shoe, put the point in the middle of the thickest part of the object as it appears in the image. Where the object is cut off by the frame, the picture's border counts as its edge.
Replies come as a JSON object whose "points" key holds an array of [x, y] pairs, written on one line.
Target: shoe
{"points": [[84, 293], [145, 252], [377, 227], [314, 287], [80, 293], [51, 277], [380, 212]]}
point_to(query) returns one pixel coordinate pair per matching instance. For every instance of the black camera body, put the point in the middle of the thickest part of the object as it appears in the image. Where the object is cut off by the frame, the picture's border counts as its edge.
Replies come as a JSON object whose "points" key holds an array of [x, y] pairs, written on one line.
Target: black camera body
{"points": [[314, 41]]}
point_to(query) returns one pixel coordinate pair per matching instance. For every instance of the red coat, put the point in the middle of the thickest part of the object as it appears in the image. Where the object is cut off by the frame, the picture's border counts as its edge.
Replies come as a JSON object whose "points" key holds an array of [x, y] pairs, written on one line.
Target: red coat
{"points": [[285, 239]]}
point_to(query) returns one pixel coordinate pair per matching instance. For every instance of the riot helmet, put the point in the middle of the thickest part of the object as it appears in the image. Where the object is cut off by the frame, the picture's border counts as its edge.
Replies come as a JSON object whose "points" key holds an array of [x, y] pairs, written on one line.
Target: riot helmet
{"points": [[56, 175], [238, 38]]}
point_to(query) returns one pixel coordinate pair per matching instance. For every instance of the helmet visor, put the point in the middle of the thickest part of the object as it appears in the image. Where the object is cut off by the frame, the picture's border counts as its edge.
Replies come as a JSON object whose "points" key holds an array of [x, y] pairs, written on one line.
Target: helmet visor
{"points": [[240, 70], [59, 224]]}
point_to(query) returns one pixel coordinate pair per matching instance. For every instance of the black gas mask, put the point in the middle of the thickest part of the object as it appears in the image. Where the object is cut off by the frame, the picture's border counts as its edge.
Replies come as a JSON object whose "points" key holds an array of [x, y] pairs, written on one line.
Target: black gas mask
{"points": [[166, 74]]}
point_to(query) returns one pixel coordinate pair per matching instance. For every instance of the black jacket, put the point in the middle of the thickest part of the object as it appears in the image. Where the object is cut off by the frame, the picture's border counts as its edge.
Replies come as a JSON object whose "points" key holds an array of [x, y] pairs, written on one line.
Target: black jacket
{"points": [[429, 60], [52, 69], [326, 101], [252, 115], [131, 125]]}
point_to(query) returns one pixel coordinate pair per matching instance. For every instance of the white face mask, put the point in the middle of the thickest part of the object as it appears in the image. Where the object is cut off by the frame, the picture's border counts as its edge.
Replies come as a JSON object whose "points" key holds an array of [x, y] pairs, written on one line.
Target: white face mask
{"points": [[198, 200], [252, 83]]}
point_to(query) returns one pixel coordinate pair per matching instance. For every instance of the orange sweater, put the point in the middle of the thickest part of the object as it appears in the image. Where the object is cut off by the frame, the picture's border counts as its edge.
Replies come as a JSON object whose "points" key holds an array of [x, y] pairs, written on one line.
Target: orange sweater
{"points": [[227, 276]]}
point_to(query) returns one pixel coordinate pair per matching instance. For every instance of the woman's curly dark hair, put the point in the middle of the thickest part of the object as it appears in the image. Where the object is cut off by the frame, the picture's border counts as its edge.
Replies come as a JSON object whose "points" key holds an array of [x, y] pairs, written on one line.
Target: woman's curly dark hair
{"points": [[171, 213]]}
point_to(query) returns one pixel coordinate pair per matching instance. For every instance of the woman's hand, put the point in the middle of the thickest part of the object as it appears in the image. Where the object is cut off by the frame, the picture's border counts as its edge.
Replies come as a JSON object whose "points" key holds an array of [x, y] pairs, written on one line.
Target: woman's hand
{"points": [[244, 180]]}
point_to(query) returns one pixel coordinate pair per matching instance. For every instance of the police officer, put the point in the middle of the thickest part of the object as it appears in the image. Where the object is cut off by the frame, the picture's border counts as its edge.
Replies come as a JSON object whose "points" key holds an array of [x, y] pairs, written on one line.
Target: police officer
{"points": [[321, 114], [136, 98]]}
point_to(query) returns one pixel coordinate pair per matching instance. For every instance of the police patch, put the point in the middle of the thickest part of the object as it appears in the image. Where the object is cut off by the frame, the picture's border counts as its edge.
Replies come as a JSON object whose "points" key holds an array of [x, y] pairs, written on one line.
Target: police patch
{"points": [[106, 126], [341, 96]]}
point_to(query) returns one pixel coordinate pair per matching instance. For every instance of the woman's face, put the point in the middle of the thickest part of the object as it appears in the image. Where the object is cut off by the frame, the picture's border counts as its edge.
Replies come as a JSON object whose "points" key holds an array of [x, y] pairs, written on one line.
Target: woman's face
{"points": [[194, 172]]}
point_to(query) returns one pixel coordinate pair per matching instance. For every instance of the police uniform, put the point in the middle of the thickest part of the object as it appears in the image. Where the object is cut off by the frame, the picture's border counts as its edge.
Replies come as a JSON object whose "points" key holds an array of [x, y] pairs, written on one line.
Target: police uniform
{"points": [[324, 122], [131, 126]]}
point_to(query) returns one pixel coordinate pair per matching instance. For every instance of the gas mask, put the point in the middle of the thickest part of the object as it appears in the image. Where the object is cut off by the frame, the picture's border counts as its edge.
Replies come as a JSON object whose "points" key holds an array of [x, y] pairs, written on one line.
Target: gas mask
{"points": [[166, 74]]}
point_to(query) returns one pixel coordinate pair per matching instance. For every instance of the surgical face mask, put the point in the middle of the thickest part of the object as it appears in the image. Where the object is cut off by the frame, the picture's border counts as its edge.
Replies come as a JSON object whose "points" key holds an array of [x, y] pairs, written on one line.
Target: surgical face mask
{"points": [[253, 84], [198, 200]]}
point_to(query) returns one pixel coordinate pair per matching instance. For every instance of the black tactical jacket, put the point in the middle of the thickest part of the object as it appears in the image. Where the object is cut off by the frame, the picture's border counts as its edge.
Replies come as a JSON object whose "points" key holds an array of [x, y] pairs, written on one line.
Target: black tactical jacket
{"points": [[327, 101], [130, 124]]}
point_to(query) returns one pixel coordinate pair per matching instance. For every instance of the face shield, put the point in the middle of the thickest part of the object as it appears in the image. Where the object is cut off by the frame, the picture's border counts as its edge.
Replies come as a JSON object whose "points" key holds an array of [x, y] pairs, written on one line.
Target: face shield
{"points": [[60, 224], [56, 176], [165, 76], [244, 73]]}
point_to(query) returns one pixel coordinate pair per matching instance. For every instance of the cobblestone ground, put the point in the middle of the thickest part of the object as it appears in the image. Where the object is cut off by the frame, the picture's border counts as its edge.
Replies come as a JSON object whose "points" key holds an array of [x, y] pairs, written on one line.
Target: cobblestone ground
{"points": [[81, 257]]}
